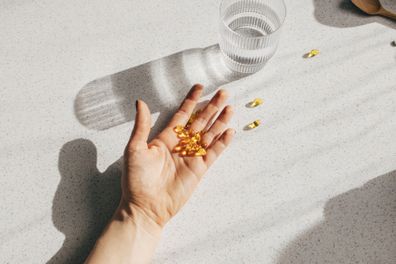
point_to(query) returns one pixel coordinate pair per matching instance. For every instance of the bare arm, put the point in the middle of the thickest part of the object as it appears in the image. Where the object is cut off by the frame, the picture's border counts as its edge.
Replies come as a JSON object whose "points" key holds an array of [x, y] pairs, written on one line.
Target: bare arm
{"points": [[130, 237]]}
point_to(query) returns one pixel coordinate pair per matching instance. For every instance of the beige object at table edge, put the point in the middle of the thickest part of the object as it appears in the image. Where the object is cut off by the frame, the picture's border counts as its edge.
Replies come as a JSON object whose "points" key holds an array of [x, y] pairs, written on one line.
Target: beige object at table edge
{"points": [[389, 5], [373, 7]]}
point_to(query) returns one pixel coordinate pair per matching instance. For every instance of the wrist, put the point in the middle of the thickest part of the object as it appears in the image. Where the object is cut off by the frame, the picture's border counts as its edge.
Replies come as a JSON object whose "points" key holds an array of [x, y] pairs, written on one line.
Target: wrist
{"points": [[135, 215]]}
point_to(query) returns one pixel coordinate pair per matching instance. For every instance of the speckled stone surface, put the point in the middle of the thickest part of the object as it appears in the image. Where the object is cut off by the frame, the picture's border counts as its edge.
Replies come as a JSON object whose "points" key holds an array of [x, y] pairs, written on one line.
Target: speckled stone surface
{"points": [[314, 184]]}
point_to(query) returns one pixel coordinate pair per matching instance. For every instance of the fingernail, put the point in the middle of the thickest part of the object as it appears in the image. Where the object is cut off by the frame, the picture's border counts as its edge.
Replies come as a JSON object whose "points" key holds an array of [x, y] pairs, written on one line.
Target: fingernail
{"points": [[198, 86]]}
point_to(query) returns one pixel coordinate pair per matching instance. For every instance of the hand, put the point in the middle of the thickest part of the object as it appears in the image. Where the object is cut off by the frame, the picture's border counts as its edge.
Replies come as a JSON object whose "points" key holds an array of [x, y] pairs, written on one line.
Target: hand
{"points": [[157, 182]]}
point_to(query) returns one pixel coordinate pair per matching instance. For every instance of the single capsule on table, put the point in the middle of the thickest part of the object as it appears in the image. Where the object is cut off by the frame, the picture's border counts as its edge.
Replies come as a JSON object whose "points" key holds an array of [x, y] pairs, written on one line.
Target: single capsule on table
{"points": [[254, 124], [256, 102], [313, 53]]}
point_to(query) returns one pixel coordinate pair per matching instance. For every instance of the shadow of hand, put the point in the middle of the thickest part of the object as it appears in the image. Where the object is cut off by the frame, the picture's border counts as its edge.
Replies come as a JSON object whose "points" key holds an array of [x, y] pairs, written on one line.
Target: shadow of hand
{"points": [[84, 201], [109, 101]]}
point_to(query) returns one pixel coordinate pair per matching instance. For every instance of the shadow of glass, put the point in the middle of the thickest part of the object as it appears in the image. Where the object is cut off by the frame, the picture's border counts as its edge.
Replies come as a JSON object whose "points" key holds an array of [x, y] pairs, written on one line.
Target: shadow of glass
{"points": [[358, 227], [162, 84], [343, 13], [84, 201]]}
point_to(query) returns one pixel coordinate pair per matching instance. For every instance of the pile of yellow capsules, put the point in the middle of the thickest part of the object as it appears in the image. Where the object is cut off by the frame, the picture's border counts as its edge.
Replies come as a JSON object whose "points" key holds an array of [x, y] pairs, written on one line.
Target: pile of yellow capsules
{"points": [[189, 142]]}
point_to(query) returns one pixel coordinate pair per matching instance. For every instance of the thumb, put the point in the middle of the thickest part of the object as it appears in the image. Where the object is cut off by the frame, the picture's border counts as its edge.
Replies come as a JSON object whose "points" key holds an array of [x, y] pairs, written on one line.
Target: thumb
{"points": [[142, 127]]}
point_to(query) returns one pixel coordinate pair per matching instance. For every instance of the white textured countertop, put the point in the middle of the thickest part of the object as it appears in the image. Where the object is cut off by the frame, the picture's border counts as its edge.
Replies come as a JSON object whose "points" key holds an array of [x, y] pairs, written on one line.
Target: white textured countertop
{"points": [[316, 183]]}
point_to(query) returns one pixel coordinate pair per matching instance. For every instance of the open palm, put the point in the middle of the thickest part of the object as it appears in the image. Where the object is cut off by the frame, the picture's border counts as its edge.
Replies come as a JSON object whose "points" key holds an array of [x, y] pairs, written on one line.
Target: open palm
{"points": [[156, 181]]}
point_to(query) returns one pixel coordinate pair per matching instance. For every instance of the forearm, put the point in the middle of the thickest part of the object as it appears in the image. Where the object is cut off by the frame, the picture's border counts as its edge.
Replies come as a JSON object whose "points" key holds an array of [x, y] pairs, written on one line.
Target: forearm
{"points": [[130, 237]]}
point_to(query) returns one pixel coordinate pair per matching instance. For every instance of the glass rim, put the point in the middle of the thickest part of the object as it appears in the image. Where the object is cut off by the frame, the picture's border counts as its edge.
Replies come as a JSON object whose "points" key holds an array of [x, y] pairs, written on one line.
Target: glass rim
{"points": [[261, 37]]}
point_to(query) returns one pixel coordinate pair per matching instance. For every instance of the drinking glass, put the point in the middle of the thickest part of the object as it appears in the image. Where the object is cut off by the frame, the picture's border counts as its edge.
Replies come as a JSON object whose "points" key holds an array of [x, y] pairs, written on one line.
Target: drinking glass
{"points": [[249, 32]]}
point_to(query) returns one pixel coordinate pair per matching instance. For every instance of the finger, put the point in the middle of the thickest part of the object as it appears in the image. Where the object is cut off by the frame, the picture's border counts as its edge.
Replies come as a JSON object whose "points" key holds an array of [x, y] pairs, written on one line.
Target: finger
{"points": [[218, 146], [142, 127], [218, 126], [186, 109], [209, 111]]}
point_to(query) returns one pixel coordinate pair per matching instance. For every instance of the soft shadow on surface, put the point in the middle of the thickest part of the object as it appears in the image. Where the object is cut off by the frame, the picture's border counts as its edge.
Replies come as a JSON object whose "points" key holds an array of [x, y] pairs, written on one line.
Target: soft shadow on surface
{"points": [[84, 201], [109, 101], [343, 13], [359, 226]]}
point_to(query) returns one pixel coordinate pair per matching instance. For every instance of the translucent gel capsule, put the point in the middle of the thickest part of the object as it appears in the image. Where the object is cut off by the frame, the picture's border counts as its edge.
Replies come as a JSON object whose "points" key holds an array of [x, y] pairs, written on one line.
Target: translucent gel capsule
{"points": [[196, 137], [191, 152], [182, 135], [189, 142], [178, 129], [178, 148], [313, 53], [256, 102], [189, 147], [185, 141], [254, 124], [200, 152]]}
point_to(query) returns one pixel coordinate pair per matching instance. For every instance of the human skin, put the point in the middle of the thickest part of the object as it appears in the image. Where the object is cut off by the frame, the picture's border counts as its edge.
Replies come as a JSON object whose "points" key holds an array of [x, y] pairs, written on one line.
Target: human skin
{"points": [[157, 182]]}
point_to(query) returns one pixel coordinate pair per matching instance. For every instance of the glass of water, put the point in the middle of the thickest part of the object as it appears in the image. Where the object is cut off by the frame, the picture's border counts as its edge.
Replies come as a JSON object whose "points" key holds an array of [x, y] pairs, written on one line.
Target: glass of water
{"points": [[249, 32]]}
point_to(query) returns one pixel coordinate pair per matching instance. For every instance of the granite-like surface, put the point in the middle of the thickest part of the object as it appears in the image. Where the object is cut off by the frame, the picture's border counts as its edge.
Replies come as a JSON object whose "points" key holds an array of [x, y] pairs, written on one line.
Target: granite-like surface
{"points": [[314, 184]]}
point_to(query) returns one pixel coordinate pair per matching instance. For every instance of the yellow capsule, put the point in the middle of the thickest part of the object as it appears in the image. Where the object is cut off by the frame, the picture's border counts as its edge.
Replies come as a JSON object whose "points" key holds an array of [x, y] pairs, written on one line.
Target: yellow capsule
{"points": [[185, 141], [196, 137], [200, 152], [183, 153], [256, 102], [178, 129], [189, 147], [254, 124], [313, 53], [178, 148], [182, 135], [191, 153]]}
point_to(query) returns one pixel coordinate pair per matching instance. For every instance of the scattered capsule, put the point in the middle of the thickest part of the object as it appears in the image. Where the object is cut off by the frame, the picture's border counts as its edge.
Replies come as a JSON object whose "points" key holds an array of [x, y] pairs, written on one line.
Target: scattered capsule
{"points": [[200, 152], [183, 153], [313, 53], [254, 124], [256, 102]]}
